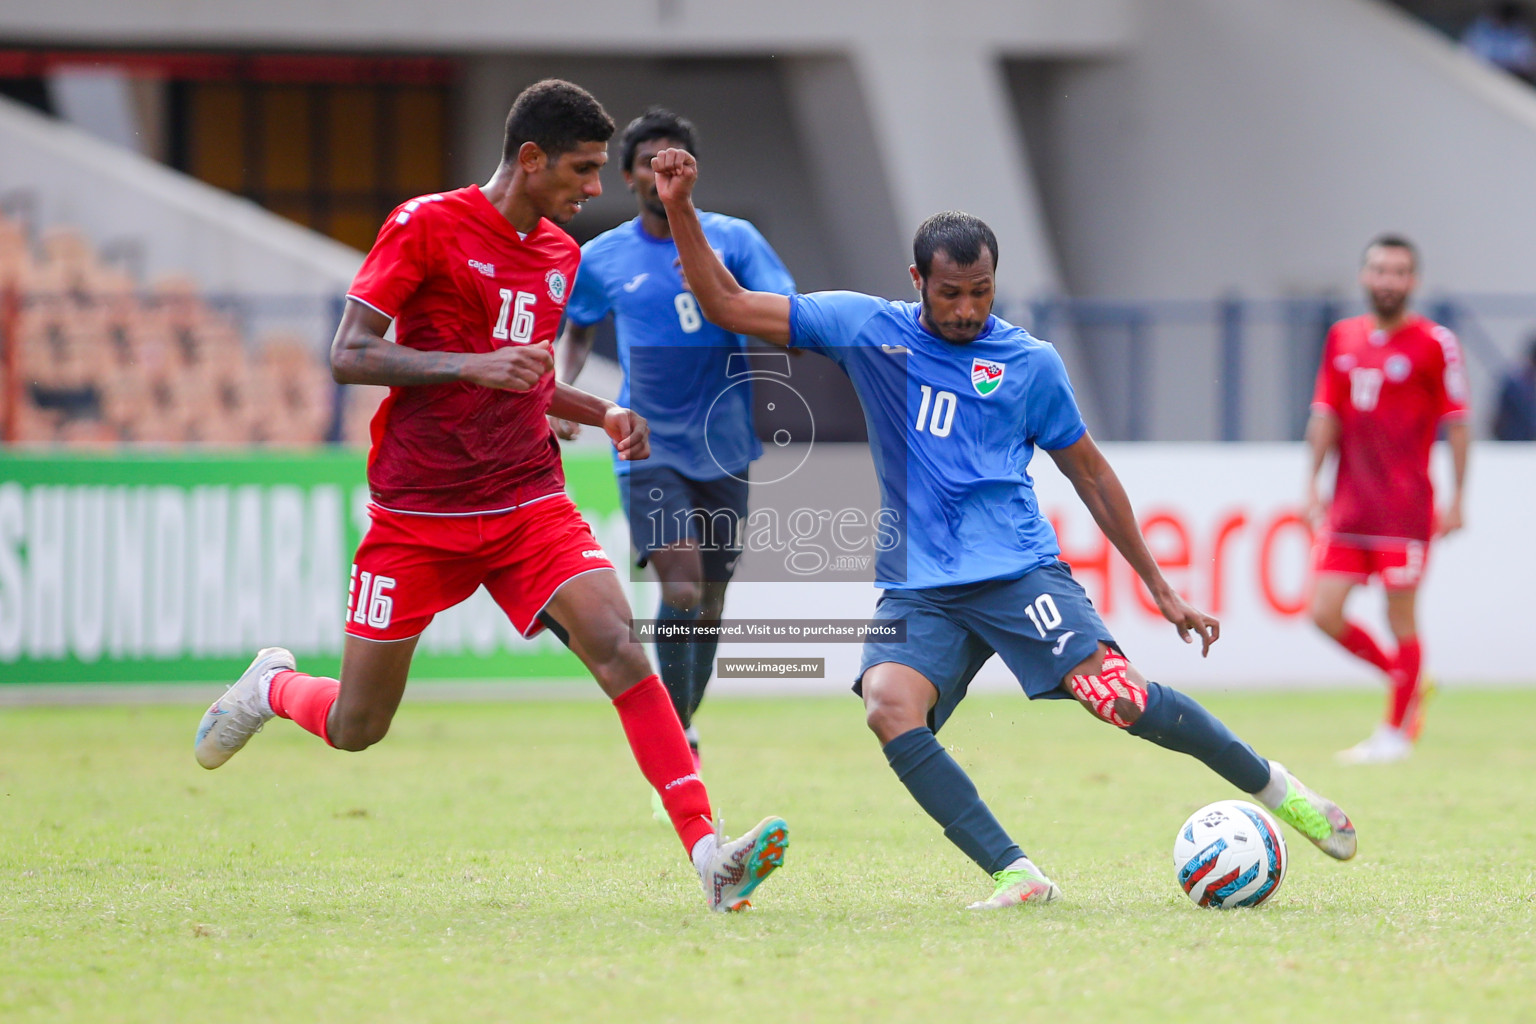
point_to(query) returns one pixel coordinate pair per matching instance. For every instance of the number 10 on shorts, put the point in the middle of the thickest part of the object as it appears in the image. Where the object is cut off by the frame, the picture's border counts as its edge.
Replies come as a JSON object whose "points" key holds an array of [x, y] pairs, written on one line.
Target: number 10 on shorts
{"points": [[368, 600], [1043, 614]]}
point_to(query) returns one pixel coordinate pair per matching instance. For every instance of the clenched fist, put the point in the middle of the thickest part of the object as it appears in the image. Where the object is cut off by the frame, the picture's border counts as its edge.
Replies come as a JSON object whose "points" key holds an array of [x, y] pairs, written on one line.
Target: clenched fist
{"points": [[513, 368], [676, 171]]}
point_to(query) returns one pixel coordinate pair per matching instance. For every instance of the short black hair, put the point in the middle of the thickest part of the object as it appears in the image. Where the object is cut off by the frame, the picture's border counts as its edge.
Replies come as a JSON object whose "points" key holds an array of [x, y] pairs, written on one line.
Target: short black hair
{"points": [[958, 234], [656, 123], [1391, 241], [557, 116]]}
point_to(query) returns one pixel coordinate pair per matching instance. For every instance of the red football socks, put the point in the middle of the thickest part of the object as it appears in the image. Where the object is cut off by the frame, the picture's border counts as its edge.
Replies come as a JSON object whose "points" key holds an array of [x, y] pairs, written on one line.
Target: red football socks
{"points": [[1405, 681], [1359, 643], [656, 738], [304, 699]]}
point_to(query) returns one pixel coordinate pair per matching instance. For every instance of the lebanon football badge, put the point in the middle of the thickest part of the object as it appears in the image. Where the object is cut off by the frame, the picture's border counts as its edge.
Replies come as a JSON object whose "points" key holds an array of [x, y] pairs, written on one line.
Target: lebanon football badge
{"points": [[986, 376], [556, 282]]}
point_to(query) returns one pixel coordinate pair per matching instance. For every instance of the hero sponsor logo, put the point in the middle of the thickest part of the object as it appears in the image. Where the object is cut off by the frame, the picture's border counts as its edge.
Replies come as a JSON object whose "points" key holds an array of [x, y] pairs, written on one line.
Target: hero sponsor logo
{"points": [[1262, 549]]}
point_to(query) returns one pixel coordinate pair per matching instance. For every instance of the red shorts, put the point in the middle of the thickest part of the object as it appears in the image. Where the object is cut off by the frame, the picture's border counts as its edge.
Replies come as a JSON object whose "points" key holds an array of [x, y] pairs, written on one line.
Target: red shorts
{"points": [[410, 567], [1400, 563]]}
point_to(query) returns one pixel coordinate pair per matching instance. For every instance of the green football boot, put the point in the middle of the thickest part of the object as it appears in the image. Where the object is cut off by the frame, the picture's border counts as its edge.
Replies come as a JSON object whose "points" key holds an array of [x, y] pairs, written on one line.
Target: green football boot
{"points": [[1315, 816], [1017, 886]]}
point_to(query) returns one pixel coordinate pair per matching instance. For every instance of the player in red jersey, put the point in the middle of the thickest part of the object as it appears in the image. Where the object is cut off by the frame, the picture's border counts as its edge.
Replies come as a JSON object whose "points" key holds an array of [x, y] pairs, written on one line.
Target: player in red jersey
{"points": [[466, 479], [1387, 381]]}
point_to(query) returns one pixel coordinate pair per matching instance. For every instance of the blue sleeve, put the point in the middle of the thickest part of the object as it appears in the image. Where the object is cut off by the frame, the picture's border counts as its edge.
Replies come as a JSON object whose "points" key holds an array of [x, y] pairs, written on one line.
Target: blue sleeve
{"points": [[756, 266], [1051, 417], [589, 299], [830, 320]]}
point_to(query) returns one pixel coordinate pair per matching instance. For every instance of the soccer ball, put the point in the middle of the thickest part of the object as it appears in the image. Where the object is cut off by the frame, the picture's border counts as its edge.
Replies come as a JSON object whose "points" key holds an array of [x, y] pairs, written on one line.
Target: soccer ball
{"points": [[1229, 854]]}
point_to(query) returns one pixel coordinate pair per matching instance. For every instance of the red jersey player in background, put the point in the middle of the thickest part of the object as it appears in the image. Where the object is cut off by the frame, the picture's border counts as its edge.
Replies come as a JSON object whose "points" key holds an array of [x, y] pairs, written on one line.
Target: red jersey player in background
{"points": [[465, 473], [1387, 381]]}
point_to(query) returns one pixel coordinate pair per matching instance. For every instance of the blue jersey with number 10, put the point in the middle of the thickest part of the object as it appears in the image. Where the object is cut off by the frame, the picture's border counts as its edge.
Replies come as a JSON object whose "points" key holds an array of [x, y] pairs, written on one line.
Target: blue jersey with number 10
{"points": [[676, 365], [952, 429]]}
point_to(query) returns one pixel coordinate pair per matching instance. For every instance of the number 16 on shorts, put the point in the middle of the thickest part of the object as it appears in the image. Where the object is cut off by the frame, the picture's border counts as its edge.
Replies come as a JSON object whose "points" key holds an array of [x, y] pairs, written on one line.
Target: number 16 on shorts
{"points": [[368, 600]]}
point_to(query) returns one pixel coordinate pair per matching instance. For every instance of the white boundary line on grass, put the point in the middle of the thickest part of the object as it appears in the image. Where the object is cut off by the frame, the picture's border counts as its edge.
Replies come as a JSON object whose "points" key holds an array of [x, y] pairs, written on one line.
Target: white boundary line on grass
{"points": [[428, 691]]}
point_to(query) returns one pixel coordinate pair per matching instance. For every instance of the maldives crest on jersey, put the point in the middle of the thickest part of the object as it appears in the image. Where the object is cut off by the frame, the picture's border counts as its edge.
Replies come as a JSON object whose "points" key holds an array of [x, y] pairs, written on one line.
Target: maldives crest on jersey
{"points": [[556, 282], [986, 376]]}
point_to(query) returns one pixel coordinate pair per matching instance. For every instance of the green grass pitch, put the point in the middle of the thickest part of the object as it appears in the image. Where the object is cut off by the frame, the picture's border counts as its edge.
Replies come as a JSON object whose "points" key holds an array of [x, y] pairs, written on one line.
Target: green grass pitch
{"points": [[498, 863]]}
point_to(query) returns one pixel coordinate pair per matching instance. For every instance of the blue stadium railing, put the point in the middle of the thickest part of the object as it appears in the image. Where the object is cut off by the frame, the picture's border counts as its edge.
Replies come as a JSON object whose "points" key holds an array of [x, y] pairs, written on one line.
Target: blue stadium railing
{"points": [[1119, 342], [1216, 356]]}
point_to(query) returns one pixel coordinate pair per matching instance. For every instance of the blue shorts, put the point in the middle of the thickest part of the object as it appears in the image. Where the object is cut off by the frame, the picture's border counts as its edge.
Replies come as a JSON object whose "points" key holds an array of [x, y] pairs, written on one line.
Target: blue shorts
{"points": [[1041, 624], [665, 507]]}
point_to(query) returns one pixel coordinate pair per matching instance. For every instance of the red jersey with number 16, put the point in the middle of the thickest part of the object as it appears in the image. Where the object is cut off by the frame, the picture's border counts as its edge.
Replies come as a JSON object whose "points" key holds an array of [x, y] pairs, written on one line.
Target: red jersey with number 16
{"points": [[1390, 393], [455, 276]]}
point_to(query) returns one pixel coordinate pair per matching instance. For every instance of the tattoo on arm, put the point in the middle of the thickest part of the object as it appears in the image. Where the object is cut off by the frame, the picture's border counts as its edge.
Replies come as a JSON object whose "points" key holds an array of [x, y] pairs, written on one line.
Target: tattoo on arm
{"points": [[360, 354]]}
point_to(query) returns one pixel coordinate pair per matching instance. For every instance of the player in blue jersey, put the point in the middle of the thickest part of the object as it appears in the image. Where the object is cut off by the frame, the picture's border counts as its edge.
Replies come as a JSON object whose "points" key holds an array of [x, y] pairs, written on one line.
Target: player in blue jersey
{"points": [[685, 504], [956, 401]]}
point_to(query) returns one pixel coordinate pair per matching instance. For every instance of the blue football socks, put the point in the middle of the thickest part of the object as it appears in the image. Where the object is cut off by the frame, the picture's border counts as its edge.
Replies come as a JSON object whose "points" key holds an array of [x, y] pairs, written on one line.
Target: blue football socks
{"points": [[1176, 722], [675, 661], [701, 665], [943, 789]]}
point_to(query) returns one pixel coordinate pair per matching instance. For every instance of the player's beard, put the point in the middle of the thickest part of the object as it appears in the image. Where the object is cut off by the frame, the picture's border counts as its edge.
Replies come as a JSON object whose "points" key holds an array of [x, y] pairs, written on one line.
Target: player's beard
{"points": [[564, 214], [956, 332], [959, 332], [1388, 306], [654, 206]]}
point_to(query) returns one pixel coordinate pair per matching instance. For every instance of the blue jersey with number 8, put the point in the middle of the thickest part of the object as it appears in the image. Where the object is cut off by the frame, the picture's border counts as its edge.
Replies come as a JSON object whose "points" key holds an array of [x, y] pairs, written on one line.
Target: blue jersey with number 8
{"points": [[675, 363], [952, 429]]}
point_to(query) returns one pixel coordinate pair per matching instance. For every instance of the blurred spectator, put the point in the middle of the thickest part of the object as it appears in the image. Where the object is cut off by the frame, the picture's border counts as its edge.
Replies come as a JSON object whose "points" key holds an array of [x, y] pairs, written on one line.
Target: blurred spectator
{"points": [[1502, 36], [1516, 416]]}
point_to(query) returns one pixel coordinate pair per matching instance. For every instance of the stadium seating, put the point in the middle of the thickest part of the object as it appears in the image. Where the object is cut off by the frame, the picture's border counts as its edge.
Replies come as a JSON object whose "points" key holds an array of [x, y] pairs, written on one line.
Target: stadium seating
{"points": [[92, 359]]}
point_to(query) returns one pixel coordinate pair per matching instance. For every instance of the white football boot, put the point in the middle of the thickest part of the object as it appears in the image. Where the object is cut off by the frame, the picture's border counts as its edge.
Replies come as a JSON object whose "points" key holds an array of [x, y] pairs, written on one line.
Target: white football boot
{"points": [[740, 865], [1384, 746], [238, 715]]}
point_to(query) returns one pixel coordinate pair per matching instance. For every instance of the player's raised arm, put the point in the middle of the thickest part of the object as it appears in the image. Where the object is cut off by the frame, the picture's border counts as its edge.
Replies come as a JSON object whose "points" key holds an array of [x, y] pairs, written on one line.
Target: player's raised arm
{"points": [[724, 301], [1096, 483], [360, 354]]}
